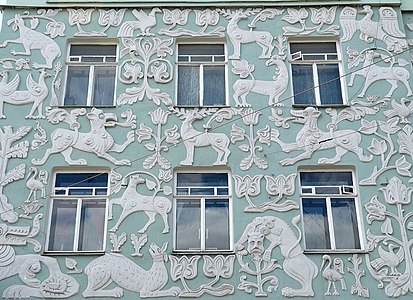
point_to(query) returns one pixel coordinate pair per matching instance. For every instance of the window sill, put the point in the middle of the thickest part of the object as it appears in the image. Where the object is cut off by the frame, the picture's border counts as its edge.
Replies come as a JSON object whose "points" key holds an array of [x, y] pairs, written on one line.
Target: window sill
{"points": [[194, 252], [202, 106], [72, 253], [320, 106], [340, 251], [86, 106]]}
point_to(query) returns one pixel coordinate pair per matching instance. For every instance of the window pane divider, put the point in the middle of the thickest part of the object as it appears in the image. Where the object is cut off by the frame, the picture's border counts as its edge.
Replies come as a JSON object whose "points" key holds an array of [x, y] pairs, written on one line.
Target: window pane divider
{"points": [[330, 224], [203, 223], [77, 226], [201, 84]]}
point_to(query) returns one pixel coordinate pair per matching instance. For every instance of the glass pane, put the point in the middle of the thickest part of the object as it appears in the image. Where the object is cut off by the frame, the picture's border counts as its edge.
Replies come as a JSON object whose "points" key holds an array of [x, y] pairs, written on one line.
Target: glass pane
{"points": [[202, 191], [83, 192], [303, 84], [104, 86], [214, 85], [345, 223], [188, 85], [94, 50], [62, 227], [329, 81], [308, 48], [315, 220], [188, 224], [217, 224], [326, 178], [92, 225], [81, 180], [202, 179], [201, 49], [77, 85], [327, 190]]}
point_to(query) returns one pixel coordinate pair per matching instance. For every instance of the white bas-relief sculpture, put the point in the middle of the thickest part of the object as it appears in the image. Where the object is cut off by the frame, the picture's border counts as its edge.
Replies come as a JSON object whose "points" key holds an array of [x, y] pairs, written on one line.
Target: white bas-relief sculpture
{"points": [[98, 140], [131, 201], [125, 273], [144, 23], [358, 288], [279, 234], [271, 88], [333, 274], [373, 72], [171, 136], [193, 138], [239, 36], [184, 268], [401, 110], [138, 243], [33, 40], [7, 152], [395, 243], [319, 17], [40, 137], [71, 264], [36, 181], [36, 93], [203, 18], [281, 185], [107, 18], [146, 60], [386, 29], [56, 285], [311, 139], [117, 241]]}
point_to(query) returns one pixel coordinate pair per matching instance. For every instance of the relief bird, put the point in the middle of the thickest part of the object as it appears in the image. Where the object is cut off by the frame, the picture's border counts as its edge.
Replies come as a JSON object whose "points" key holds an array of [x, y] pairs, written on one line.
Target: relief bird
{"points": [[144, 23], [401, 110], [332, 274], [389, 258], [36, 182], [7, 88]]}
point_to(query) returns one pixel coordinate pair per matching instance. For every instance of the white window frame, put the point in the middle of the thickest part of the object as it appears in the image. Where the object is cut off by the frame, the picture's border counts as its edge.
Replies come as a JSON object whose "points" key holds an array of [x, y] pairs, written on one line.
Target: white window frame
{"points": [[201, 65], [80, 199], [297, 58], [202, 198], [345, 192], [70, 61]]}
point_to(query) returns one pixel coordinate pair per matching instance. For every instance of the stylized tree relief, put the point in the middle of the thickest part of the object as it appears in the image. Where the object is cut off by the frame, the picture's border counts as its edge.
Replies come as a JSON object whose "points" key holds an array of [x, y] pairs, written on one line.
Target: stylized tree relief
{"points": [[138, 243], [144, 23], [7, 152], [193, 138], [358, 288], [394, 251], [273, 89], [31, 39], [296, 265], [239, 36], [311, 139], [132, 201], [184, 268], [386, 29], [263, 136], [56, 285], [117, 241], [332, 274], [203, 18], [248, 186], [372, 72], [146, 61], [98, 140], [384, 148], [113, 267], [36, 93], [171, 136], [319, 17], [54, 101]]}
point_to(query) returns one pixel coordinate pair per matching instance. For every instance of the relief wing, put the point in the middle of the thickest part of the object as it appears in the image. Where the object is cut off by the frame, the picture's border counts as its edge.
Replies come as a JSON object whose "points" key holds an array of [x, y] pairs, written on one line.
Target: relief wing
{"points": [[10, 87], [389, 22], [348, 22], [32, 86]]}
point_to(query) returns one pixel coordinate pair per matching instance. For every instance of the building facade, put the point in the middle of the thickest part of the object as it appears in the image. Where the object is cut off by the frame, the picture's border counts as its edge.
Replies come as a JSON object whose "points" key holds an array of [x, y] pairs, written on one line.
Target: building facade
{"points": [[206, 149]]}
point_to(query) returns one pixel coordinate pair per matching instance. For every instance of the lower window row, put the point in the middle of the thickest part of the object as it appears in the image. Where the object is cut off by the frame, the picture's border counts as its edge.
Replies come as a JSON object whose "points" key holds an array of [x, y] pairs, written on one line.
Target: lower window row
{"points": [[202, 214]]}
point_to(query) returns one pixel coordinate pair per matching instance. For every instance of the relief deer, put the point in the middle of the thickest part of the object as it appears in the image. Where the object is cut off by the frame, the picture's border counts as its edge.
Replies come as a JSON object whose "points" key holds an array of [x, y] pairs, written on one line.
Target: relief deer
{"points": [[194, 138]]}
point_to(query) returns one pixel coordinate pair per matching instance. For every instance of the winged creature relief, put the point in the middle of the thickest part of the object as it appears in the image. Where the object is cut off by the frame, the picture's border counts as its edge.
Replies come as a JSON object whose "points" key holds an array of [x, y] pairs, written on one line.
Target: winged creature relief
{"points": [[33, 40], [311, 139], [36, 93], [386, 29], [144, 23], [98, 140]]}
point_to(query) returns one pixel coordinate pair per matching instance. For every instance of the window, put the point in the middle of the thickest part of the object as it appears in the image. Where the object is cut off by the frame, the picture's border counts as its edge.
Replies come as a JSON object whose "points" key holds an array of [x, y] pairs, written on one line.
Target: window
{"points": [[202, 212], [330, 210], [316, 73], [201, 74], [91, 75], [78, 212]]}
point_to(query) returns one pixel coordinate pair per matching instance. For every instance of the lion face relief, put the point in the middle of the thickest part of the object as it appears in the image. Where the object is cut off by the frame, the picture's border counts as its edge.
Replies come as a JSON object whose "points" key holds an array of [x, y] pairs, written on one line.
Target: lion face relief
{"points": [[255, 243]]}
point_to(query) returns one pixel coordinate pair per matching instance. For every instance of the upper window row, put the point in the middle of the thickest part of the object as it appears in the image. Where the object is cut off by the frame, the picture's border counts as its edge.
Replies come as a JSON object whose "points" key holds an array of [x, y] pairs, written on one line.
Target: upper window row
{"points": [[201, 72]]}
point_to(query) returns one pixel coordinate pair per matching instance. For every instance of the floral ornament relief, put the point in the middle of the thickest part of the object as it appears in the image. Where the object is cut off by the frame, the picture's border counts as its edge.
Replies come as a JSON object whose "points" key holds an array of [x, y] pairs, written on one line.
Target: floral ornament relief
{"points": [[171, 136], [358, 288], [146, 61], [203, 18], [31, 39], [281, 185], [319, 17], [263, 136], [184, 268], [393, 245]]}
